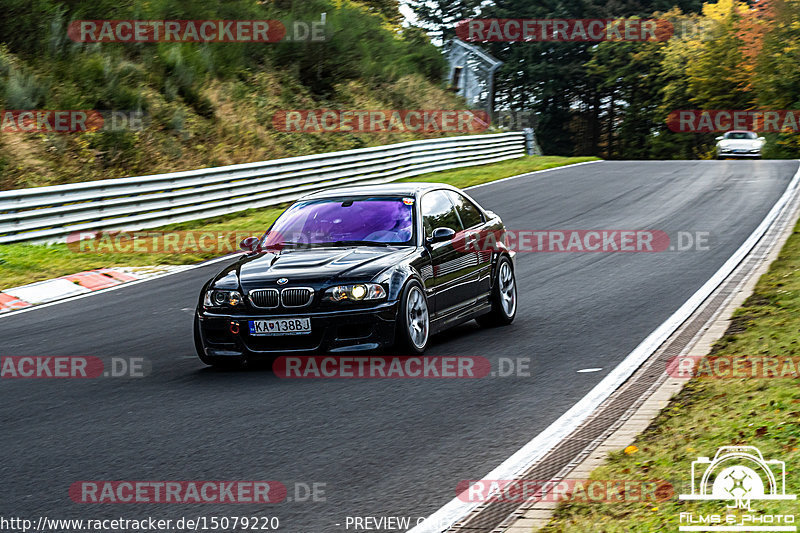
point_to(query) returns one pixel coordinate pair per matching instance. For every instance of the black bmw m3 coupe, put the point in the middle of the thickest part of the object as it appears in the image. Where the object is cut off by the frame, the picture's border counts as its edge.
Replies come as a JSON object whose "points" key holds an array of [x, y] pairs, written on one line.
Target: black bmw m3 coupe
{"points": [[359, 268]]}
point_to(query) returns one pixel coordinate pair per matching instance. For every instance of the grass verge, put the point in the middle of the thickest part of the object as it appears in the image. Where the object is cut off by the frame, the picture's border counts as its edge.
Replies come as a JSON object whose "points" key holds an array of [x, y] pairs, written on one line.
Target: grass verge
{"points": [[710, 413], [26, 263]]}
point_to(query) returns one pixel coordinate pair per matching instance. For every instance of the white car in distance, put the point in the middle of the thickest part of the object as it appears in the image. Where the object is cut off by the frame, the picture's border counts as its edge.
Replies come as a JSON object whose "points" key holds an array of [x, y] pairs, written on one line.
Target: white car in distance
{"points": [[740, 143]]}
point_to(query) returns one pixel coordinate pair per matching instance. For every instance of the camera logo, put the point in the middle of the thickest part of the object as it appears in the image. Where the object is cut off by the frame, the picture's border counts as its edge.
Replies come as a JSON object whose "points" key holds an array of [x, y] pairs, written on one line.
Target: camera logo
{"points": [[740, 474]]}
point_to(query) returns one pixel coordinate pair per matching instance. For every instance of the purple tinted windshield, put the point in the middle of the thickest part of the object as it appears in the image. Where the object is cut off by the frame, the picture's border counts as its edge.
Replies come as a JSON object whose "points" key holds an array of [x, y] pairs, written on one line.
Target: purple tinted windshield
{"points": [[385, 220]]}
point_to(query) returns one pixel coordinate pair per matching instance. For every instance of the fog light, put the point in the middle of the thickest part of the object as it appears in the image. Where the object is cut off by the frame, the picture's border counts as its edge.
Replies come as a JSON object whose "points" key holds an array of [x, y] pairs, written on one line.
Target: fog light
{"points": [[235, 328]]}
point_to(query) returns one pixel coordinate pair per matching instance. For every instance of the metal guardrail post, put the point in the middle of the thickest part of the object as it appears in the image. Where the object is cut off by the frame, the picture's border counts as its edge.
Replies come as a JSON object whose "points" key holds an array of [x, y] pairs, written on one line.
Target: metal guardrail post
{"points": [[531, 146]]}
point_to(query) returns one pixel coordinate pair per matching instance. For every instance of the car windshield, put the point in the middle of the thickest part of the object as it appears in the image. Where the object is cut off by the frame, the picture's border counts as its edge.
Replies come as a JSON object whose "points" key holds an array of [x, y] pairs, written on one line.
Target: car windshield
{"points": [[344, 221], [740, 135]]}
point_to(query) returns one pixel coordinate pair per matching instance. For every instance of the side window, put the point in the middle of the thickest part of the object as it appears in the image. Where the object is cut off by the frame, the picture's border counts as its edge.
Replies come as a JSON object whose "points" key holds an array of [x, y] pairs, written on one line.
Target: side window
{"points": [[438, 212], [469, 213]]}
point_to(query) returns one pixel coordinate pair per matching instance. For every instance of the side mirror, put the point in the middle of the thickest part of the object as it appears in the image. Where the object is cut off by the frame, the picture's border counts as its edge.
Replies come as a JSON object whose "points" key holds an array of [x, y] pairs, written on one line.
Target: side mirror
{"points": [[762, 139], [441, 235], [719, 138], [249, 244]]}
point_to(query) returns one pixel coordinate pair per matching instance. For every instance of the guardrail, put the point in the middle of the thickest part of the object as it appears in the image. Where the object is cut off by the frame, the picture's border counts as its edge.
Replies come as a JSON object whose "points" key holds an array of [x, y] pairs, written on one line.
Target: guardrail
{"points": [[50, 214]]}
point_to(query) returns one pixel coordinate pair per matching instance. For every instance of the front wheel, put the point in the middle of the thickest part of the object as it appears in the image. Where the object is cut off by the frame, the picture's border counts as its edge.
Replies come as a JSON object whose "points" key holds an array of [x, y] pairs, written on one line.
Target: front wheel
{"points": [[413, 323], [504, 297]]}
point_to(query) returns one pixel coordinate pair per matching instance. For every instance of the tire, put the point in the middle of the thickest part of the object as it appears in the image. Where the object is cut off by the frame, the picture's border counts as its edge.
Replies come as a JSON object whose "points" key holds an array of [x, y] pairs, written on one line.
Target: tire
{"points": [[504, 297], [413, 320], [216, 362]]}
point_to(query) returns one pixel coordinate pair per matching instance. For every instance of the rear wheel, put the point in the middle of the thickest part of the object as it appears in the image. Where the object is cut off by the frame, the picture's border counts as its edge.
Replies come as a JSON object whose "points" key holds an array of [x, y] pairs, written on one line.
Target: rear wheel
{"points": [[504, 297], [413, 321]]}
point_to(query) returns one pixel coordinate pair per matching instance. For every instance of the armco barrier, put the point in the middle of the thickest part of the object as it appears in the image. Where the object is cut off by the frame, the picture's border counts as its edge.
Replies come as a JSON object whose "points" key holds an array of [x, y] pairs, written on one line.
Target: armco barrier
{"points": [[49, 214]]}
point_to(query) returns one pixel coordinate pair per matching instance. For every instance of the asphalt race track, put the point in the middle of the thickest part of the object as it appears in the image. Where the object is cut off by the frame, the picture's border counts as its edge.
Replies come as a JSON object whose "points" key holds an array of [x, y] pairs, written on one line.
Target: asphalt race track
{"points": [[381, 447]]}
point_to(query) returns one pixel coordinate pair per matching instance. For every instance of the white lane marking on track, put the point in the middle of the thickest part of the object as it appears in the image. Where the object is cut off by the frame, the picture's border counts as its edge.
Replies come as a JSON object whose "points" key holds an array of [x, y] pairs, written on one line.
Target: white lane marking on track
{"points": [[585, 370], [536, 448]]}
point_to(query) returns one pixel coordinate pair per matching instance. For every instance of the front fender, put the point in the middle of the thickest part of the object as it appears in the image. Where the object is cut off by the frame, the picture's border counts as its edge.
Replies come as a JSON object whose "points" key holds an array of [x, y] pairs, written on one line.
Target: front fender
{"points": [[396, 278]]}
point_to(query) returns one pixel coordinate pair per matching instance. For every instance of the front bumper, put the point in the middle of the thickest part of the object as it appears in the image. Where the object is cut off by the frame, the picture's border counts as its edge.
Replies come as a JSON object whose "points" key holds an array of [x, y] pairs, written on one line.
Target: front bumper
{"points": [[738, 153], [342, 330]]}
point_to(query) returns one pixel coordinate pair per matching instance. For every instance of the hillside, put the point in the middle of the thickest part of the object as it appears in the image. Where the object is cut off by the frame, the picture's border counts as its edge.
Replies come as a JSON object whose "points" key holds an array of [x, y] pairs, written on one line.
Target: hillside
{"points": [[204, 104]]}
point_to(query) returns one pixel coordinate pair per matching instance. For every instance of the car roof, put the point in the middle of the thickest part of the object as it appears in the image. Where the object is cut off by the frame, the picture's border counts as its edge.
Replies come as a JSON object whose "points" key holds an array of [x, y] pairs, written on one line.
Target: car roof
{"points": [[411, 188], [739, 131]]}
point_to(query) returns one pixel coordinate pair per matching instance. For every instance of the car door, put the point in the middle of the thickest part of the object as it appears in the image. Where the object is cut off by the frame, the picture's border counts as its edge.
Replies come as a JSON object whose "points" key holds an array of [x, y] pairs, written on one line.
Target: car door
{"points": [[454, 278], [473, 221]]}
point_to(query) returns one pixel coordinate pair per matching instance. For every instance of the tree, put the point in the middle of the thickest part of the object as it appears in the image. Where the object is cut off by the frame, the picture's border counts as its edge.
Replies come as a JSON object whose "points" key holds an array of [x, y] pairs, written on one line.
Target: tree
{"points": [[439, 17], [777, 78], [717, 79]]}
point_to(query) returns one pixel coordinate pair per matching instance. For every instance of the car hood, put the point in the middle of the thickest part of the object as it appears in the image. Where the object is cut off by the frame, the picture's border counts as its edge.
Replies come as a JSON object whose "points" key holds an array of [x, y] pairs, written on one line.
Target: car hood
{"points": [[312, 266]]}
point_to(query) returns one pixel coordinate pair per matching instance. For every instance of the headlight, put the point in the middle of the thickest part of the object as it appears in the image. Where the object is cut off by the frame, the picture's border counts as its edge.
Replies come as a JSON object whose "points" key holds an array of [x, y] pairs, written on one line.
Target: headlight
{"points": [[357, 292], [217, 298]]}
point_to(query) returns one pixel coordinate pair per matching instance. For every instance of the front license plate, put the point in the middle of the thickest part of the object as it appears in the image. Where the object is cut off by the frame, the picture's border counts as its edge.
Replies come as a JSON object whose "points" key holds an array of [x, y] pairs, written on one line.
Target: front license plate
{"points": [[281, 326]]}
